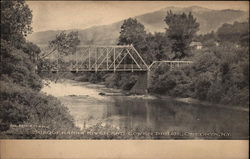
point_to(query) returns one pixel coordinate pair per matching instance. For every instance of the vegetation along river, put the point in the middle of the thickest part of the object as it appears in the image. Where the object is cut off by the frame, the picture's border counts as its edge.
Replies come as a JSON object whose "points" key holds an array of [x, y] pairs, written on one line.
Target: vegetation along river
{"points": [[165, 117]]}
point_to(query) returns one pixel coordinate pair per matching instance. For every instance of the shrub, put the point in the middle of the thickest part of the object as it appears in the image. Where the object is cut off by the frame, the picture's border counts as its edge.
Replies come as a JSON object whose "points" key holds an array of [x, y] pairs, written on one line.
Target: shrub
{"points": [[219, 74], [215, 92], [17, 66], [129, 82], [20, 104]]}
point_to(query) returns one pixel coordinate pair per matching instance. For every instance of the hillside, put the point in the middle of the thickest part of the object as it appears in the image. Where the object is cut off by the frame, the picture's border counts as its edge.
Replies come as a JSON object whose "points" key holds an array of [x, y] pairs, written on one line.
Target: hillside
{"points": [[108, 34]]}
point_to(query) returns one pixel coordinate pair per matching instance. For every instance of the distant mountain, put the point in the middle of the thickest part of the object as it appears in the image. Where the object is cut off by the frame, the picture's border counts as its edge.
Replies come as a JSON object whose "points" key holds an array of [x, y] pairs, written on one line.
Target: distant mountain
{"points": [[209, 19], [154, 22]]}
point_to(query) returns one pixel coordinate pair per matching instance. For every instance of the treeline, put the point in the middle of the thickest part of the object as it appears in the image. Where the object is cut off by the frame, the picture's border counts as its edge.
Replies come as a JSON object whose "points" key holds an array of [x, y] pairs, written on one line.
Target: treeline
{"points": [[21, 103], [219, 74]]}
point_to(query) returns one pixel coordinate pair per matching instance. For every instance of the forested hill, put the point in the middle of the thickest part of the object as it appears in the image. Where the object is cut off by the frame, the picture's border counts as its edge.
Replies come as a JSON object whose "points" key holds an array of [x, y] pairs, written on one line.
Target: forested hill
{"points": [[108, 34]]}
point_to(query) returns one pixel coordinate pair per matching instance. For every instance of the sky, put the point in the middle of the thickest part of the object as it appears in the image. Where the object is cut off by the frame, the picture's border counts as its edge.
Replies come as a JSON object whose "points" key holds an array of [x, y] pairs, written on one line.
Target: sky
{"points": [[63, 15]]}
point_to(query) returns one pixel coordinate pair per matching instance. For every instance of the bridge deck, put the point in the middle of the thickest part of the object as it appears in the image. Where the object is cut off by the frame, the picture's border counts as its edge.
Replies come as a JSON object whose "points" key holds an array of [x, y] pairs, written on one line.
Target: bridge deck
{"points": [[103, 70]]}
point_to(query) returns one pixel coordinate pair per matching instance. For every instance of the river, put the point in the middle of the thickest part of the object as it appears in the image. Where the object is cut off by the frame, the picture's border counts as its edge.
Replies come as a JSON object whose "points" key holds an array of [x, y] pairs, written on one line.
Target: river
{"points": [[147, 113]]}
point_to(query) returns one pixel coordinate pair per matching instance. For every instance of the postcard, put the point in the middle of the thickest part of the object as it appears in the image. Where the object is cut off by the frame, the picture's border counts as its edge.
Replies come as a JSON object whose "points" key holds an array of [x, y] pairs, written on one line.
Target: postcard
{"points": [[116, 71]]}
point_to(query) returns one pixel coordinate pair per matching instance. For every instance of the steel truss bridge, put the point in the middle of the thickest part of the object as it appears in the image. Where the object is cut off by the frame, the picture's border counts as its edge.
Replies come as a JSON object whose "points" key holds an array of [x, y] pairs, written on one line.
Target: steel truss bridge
{"points": [[117, 58]]}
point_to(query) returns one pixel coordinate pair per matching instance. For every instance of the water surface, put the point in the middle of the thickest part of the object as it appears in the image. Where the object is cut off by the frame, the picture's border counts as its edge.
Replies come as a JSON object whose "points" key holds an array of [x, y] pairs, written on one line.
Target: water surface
{"points": [[147, 113]]}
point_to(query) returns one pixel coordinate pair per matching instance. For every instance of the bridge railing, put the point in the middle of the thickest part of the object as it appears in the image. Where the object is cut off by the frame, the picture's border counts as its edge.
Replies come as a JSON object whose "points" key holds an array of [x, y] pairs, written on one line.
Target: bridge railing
{"points": [[171, 64]]}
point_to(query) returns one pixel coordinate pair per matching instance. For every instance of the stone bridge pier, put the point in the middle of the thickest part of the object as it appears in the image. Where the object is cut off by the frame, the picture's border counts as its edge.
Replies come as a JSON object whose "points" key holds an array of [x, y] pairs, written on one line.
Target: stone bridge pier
{"points": [[142, 84]]}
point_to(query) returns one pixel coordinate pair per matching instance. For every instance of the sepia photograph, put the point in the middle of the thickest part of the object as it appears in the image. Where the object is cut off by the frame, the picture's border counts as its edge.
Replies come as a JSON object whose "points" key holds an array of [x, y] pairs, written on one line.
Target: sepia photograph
{"points": [[124, 70]]}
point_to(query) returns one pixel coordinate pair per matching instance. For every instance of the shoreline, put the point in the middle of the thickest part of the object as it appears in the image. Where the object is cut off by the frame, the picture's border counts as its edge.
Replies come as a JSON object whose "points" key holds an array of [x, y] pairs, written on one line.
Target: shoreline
{"points": [[203, 103], [151, 96], [188, 100]]}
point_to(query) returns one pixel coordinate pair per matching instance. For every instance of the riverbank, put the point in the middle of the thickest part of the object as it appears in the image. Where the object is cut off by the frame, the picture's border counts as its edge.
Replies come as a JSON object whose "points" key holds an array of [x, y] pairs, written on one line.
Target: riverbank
{"points": [[124, 82], [203, 103], [109, 91], [183, 100]]}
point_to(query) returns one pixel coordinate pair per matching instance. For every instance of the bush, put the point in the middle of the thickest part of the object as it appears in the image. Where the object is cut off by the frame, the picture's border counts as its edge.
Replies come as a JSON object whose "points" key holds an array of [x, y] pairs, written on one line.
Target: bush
{"points": [[129, 82], [215, 92], [202, 85], [173, 83], [17, 66], [20, 99], [111, 80], [163, 85], [20, 104], [96, 77], [219, 74]]}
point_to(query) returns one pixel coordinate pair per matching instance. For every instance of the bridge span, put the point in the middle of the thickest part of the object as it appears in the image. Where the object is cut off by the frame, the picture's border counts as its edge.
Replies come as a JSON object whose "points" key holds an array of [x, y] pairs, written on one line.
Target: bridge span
{"points": [[115, 58], [118, 58]]}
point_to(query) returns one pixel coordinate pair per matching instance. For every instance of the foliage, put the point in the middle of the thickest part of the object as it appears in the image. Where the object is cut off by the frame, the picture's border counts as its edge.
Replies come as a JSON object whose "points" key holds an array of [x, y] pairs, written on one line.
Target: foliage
{"points": [[64, 43], [31, 50], [169, 82], [151, 46], [30, 106], [237, 33], [127, 84], [219, 75], [17, 67], [181, 30], [158, 47], [132, 32], [208, 40], [97, 77], [16, 21], [112, 80], [220, 72], [20, 99]]}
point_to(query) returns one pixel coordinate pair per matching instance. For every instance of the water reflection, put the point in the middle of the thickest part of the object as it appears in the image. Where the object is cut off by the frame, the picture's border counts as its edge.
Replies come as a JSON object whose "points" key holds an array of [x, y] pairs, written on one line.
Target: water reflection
{"points": [[166, 115], [126, 113]]}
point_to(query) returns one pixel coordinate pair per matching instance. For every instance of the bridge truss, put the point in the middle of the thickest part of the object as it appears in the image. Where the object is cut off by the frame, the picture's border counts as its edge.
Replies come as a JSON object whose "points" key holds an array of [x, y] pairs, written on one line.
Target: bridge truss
{"points": [[106, 58], [101, 58]]}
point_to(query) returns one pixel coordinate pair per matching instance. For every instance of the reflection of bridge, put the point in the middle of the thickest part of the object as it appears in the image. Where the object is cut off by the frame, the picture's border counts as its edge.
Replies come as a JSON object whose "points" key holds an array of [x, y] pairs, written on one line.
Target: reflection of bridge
{"points": [[110, 59]]}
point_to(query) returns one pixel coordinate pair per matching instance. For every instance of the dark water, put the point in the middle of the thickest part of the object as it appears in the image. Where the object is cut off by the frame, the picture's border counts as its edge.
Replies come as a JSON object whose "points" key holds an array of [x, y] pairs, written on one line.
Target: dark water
{"points": [[163, 118], [171, 116]]}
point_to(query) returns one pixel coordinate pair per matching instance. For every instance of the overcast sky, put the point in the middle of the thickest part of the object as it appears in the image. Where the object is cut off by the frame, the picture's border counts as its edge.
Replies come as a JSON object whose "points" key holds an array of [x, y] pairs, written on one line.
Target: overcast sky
{"points": [[62, 15]]}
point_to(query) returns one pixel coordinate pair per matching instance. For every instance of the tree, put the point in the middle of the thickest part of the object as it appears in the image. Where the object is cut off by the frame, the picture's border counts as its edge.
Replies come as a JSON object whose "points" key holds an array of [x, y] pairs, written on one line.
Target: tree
{"points": [[157, 46], [16, 21], [132, 32], [237, 33], [17, 55], [32, 50], [17, 67], [20, 100], [181, 30], [64, 43]]}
